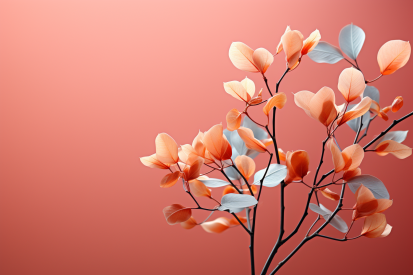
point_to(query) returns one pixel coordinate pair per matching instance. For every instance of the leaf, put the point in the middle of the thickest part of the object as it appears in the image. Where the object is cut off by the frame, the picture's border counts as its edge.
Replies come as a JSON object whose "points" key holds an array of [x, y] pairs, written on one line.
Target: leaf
{"points": [[397, 104], [246, 166], [216, 226], [337, 222], [350, 174], [360, 109], [190, 223], [372, 92], [152, 162], [292, 44], [355, 123], [399, 150], [250, 141], [302, 99], [374, 226], [216, 143], [322, 106], [262, 59], [351, 84], [278, 101], [397, 136], [213, 183], [297, 163], [233, 201], [238, 143], [237, 90], [375, 185], [241, 56], [280, 45], [275, 175], [367, 204], [233, 119], [198, 189], [259, 133], [338, 160], [230, 171], [249, 86], [353, 156], [329, 194], [325, 53], [170, 179], [311, 42], [351, 40], [166, 149], [393, 55], [176, 213]]}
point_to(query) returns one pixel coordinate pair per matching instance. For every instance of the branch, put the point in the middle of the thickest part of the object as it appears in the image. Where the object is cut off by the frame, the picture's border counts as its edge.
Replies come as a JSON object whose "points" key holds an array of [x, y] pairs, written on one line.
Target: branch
{"points": [[233, 185], [367, 128]]}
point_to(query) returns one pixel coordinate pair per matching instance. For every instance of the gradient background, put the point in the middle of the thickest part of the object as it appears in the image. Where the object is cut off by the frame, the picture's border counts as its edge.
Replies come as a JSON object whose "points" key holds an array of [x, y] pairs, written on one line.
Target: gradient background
{"points": [[87, 85]]}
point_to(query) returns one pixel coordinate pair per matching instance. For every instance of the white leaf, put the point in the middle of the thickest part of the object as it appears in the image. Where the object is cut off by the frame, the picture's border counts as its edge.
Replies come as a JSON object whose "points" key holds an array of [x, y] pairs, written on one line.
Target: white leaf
{"points": [[238, 143], [213, 183], [351, 40], [325, 53], [234, 201], [372, 92], [275, 175], [397, 136], [375, 185], [337, 222]]}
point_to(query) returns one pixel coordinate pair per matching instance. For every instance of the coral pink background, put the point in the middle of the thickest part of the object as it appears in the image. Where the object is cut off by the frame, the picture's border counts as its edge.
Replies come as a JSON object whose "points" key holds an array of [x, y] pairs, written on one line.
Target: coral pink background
{"points": [[87, 85]]}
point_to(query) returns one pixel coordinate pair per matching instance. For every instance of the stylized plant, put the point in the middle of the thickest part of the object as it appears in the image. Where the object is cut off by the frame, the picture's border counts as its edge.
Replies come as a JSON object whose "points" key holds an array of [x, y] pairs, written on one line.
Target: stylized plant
{"points": [[231, 151]]}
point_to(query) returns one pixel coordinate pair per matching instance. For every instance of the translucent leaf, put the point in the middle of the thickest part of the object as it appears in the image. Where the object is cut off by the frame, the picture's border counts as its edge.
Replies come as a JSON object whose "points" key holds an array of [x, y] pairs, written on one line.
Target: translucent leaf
{"points": [[325, 53], [372, 92], [375, 185], [213, 183], [177, 213], [259, 133], [275, 175], [355, 123], [238, 143], [232, 202], [393, 55], [351, 40], [397, 136]]}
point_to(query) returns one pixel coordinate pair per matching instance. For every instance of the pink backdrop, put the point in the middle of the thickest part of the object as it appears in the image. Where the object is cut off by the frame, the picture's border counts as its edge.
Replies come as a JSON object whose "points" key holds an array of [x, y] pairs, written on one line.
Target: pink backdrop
{"points": [[87, 85]]}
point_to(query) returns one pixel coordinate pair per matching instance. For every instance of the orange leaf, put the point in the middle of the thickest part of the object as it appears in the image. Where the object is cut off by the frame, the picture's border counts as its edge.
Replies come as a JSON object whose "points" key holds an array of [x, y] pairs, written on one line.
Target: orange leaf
{"points": [[353, 156], [152, 162], [351, 84], [176, 213], [323, 107], [262, 59], [166, 149], [297, 163], [198, 145], [374, 226], [245, 165], [393, 55], [302, 99], [280, 44], [237, 90], [257, 99], [170, 179], [198, 189], [329, 194], [229, 190], [338, 159], [249, 86], [351, 174], [233, 119], [216, 226], [190, 223], [292, 42], [234, 222], [281, 154], [357, 111], [278, 101], [241, 56], [397, 104], [251, 142], [311, 42], [216, 143], [386, 109], [399, 150], [191, 172], [367, 205]]}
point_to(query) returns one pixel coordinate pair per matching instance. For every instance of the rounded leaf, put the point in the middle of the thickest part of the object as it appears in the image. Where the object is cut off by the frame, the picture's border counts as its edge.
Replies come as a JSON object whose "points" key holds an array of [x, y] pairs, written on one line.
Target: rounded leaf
{"points": [[393, 55], [262, 59], [311, 42], [170, 179], [278, 101], [351, 84], [233, 119], [397, 104], [351, 40], [241, 56], [166, 149], [190, 223], [176, 213]]}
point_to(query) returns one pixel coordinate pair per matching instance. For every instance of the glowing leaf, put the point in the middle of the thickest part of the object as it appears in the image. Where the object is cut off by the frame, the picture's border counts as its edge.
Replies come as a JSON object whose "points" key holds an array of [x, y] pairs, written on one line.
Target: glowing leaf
{"points": [[170, 179], [297, 163], [311, 42], [250, 141], [237, 90], [329, 194], [216, 143], [351, 84], [249, 86], [393, 55], [350, 174], [176, 213], [397, 104], [367, 205], [278, 101], [241, 56], [280, 44], [245, 165], [302, 99], [216, 226], [292, 43], [152, 162], [358, 110], [353, 156], [374, 226], [322, 106], [233, 119], [262, 59], [399, 150], [198, 189], [338, 159], [190, 223], [166, 149]]}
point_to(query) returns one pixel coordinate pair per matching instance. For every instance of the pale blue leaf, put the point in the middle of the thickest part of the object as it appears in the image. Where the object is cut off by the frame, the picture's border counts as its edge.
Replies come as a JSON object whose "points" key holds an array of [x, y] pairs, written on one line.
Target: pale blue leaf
{"points": [[275, 175], [259, 132], [375, 185], [397, 136], [337, 222], [372, 92], [213, 183], [233, 202], [325, 53], [351, 40], [238, 143]]}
